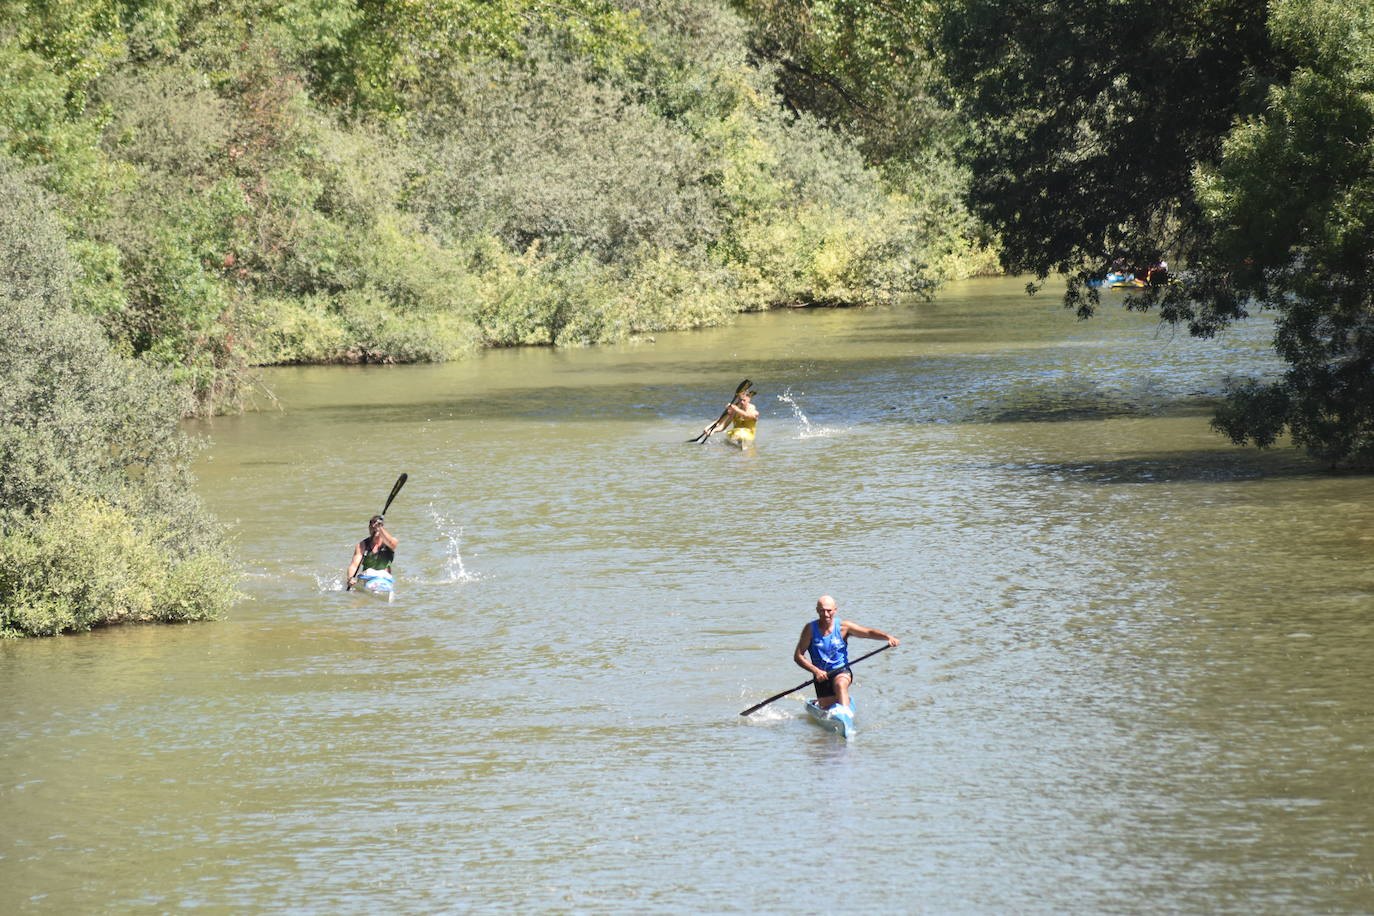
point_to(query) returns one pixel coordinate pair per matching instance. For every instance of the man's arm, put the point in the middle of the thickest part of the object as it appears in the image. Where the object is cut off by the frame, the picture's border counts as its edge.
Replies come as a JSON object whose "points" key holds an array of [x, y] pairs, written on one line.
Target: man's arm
{"points": [[849, 628], [800, 656]]}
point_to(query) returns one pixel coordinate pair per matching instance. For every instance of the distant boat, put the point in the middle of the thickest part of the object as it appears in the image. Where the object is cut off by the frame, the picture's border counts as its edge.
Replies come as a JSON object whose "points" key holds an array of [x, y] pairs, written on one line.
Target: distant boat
{"points": [[1155, 276], [1124, 281]]}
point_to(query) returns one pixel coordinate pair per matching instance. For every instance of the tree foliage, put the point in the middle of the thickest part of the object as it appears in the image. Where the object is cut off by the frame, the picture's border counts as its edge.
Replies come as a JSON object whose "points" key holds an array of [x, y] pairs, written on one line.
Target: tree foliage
{"points": [[864, 67], [1232, 136], [97, 517], [1088, 118], [338, 180], [867, 72], [518, 151], [1290, 207]]}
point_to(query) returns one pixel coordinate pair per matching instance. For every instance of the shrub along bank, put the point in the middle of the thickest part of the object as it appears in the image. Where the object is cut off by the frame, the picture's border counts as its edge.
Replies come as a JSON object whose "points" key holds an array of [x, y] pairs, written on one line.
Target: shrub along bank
{"points": [[98, 523]]}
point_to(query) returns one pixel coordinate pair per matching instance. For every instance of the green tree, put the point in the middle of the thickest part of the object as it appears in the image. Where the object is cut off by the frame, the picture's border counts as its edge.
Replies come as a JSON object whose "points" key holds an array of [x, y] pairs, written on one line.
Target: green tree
{"points": [[1231, 136], [862, 67], [387, 49], [1290, 206], [1088, 118]]}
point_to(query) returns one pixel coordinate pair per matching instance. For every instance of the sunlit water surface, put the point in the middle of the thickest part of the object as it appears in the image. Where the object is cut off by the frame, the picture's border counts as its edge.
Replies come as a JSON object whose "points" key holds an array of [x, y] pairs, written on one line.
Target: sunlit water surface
{"points": [[1135, 673]]}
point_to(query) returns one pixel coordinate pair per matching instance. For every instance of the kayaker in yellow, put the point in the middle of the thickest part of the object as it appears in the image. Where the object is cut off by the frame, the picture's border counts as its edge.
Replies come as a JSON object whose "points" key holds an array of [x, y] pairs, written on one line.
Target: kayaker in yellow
{"points": [[744, 416]]}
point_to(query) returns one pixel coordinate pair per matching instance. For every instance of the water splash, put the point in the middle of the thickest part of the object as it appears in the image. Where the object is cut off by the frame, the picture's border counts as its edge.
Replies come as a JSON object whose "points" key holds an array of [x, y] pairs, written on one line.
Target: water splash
{"points": [[329, 583], [773, 712], [807, 430], [454, 570]]}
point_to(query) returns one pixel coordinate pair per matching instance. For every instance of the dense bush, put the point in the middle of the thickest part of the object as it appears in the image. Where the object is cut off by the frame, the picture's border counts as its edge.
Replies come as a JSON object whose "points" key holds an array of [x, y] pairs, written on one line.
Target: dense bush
{"points": [[35, 262], [536, 150], [96, 509], [97, 517], [86, 563]]}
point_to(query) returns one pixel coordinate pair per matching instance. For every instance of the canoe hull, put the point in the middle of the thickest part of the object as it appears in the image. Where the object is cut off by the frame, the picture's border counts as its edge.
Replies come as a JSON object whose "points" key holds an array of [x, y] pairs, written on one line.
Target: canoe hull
{"points": [[838, 719], [378, 582]]}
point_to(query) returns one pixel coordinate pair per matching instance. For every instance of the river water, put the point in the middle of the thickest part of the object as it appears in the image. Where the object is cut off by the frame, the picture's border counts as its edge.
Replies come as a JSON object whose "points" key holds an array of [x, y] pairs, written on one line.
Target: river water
{"points": [[1135, 676]]}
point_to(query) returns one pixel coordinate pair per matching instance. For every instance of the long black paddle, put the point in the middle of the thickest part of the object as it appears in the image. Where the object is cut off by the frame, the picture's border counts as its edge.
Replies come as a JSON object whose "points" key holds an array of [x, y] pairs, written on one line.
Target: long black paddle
{"points": [[706, 433], [756, 707], [400, 482]]}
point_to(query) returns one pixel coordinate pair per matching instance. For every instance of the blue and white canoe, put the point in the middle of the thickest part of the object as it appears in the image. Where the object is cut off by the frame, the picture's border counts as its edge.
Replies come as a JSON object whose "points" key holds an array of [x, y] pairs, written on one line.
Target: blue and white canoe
{"points": [[837, 718], [1118, 280], [377, 581]]}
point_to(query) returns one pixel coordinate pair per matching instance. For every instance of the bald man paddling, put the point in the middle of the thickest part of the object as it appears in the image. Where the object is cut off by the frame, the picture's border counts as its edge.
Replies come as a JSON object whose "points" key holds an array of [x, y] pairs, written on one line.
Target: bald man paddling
{"points": [[823, 650]]}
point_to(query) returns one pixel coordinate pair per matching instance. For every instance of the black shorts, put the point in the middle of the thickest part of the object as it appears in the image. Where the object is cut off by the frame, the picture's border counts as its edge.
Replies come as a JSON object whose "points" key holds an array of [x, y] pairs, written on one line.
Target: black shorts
{"points": [[826, 688]]}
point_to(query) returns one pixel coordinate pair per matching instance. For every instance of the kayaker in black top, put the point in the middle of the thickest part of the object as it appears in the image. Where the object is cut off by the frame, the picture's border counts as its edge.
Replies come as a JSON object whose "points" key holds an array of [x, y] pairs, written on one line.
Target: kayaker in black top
{"points": [[376, 551]]}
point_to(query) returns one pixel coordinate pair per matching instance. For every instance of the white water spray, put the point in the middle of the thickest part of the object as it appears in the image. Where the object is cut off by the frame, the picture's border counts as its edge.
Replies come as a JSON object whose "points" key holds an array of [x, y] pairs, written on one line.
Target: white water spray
{"points": [[454, 571], [806, 429]]}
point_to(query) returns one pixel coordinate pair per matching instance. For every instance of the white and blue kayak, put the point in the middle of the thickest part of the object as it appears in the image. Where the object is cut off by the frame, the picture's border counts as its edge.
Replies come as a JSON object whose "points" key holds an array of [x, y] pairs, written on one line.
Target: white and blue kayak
{"points": [[377, 581], [837, 718]]}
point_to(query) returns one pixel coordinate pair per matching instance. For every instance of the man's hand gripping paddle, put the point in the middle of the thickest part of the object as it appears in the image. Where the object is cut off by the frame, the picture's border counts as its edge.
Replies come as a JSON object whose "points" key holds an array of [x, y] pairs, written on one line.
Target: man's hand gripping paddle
{"points": [[757, 706]]}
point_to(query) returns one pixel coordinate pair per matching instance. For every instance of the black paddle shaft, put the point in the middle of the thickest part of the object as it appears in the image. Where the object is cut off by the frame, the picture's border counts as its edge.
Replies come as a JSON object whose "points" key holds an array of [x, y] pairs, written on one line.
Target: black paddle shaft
{"points": [[758, 706]]}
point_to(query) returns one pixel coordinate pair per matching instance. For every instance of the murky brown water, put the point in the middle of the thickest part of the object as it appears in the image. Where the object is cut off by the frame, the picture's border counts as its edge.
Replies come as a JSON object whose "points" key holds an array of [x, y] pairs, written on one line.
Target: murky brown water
{"points": [[1136, 670]]}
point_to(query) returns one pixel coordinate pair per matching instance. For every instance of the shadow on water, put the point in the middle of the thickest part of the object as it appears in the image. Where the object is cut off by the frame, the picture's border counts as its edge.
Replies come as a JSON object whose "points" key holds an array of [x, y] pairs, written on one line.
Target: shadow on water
{"points": [[1067, 410], [1182, 466], [1016, 388]]}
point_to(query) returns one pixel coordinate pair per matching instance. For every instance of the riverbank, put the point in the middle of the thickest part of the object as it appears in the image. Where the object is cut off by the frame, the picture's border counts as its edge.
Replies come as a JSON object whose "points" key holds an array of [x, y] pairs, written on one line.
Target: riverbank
{"points": [[552, 309]]}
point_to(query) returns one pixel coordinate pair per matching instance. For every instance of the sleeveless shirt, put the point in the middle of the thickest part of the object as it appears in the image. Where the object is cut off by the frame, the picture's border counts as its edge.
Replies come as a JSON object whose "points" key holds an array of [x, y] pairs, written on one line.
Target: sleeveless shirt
{"points": [[828, 651], [382, 558]]}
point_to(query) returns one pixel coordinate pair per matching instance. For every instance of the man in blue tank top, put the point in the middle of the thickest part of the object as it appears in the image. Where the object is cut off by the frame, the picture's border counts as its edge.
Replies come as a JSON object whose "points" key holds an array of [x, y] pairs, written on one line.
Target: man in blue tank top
{"points": [[823, 650]]}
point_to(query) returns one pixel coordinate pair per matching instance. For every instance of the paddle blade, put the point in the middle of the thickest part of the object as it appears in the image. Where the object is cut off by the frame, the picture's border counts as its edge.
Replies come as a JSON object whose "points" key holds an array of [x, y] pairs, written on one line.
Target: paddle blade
{"points": [[757, 706], [400, 482]]}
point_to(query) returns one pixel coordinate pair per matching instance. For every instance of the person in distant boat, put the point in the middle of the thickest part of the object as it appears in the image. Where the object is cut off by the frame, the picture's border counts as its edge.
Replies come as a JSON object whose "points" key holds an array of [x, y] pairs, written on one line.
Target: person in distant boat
{"points": [[823, 650], [1158, 275], [744, 417], [376, 551]]}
